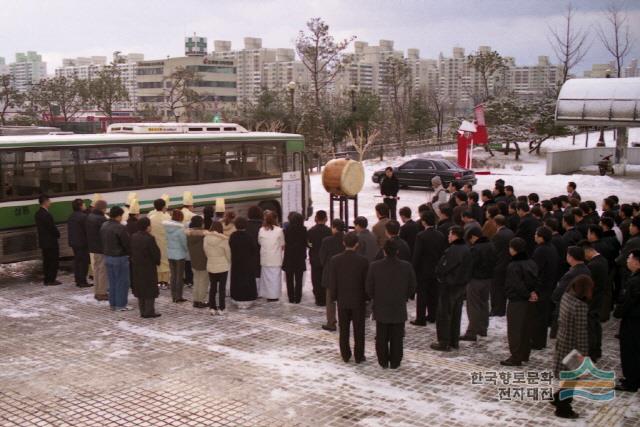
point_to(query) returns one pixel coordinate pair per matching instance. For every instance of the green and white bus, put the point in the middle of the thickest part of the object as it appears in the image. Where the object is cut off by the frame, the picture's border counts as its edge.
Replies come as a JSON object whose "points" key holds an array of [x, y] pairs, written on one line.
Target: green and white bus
{"points": [[211, 160]]}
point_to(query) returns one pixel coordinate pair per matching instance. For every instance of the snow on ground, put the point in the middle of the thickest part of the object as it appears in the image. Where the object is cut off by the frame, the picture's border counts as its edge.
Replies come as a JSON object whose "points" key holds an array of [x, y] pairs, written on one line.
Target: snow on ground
{"points": [[527, 175]]}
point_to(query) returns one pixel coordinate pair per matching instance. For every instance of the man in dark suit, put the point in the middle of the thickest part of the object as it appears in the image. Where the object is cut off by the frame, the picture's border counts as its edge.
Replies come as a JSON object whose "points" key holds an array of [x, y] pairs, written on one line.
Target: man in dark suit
{"points": [[599, 268], [430, 245], [77, 236], [316, 235], [48, 236], [453, 273], [392, 228], [501, 244], [527, 226], [331, 246], [390, 283], [347, 276], [409, 228]]}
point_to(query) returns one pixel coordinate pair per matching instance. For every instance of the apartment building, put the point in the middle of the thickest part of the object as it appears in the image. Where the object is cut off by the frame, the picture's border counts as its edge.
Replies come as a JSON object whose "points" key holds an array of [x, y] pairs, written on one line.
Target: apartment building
{"points": [[216, 82], [27, 70], [88, 68]]}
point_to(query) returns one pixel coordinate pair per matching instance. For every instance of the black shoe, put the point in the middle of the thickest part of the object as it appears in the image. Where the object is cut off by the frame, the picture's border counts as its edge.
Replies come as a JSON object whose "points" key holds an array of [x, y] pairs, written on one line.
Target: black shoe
{"points": [[320, 304], [466, 337], [57, 282], [418, 323], [151, 316], [484, 335], [272, 300], [346, 359], [84, 285], [329, 328], [358, 361], [431, 319], [384, 365], [510, 362], [440, 347], [179, 300], [566, 413], [53, 284], [394, 366]]}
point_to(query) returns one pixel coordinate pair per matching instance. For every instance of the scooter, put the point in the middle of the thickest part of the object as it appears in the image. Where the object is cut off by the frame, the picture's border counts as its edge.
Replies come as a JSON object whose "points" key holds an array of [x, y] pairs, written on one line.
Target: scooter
{"points": [[606, 165]]}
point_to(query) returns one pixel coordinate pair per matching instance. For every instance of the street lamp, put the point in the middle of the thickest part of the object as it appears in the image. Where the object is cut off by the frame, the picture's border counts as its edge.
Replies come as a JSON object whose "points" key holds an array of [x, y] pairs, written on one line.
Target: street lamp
{"points": [[291, 87]]}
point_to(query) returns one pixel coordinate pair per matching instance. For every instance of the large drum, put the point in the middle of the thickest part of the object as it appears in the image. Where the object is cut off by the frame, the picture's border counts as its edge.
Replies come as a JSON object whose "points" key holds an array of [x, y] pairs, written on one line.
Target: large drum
{"points": [[343, 177]]}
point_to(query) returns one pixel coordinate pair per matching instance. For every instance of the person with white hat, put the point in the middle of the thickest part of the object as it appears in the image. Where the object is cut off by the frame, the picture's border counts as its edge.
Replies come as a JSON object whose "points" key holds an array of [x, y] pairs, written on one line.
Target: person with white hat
{"points": [[133, 216], [157, 217], [125, 216]]}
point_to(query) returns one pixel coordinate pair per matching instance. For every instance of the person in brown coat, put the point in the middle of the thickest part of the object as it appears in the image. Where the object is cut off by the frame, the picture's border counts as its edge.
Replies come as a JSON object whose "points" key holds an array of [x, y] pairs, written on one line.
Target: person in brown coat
{"points": [[145, 259], [490, 228], [379, 229]]}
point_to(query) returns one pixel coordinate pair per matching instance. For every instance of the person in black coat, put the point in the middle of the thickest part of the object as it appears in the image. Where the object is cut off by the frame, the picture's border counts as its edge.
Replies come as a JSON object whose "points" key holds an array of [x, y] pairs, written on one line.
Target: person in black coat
{"points": [[48, 236], [559, 243], [244, 253], [294, 263], [501, 245], [577, 267], [347, 277], [255, 218], [629, 313], [599, 268], [445, 223], [527, 226], [389, 187], [429, 248], [145, 259], [483, 256], [330, 247], [409, 229], [453, 273], [571, 236], [392, 228], [546, 258], [390, 283], [315, 236], [77, 237], [522, 278]]}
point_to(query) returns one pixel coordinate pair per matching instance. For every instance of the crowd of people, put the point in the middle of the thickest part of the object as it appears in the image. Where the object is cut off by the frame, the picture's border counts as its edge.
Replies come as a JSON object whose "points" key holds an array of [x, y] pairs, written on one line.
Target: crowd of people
{"points": [[557, 268]]}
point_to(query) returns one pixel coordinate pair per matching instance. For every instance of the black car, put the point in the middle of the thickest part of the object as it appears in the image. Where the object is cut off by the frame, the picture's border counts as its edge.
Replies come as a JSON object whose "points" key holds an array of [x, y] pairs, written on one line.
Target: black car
{"points": [[418, 173]]}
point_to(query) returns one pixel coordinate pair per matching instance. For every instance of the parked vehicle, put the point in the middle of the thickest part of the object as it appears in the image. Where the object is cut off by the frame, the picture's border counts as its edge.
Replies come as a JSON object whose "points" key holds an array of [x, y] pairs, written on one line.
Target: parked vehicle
{"points": [[418, 172], [605, 166]]}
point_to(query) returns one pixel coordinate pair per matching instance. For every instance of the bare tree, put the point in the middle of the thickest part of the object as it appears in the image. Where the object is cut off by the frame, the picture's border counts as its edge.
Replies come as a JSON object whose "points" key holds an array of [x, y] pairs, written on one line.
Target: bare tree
{"points": [[321, 55], [439, 107], [178, 94], [487, 64], [618, 41], [107, 89], [9, 97], [569, 43], [362, 141], [398, 85], [60, 97]]}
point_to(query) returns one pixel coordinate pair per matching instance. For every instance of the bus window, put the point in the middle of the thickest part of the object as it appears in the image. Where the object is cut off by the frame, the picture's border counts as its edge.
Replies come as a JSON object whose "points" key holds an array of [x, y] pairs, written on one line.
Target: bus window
{"points": [[263, 159], [110, 168], [30, 173], [220, 161], [171, 164]]}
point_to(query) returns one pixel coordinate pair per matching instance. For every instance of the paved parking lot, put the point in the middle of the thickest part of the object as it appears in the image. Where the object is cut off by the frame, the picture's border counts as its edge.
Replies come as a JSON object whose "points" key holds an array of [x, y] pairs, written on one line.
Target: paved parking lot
{"points": [[66, 360]]}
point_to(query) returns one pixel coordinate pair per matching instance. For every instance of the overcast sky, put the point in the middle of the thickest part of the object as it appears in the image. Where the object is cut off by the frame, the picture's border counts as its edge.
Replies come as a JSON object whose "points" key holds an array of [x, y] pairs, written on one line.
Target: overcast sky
{"points": [[518, 28]]}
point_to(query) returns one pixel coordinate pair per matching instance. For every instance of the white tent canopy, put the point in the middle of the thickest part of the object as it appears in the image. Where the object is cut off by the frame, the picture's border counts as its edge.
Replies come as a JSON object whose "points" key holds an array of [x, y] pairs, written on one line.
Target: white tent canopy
{"points": [[599, 102]]}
